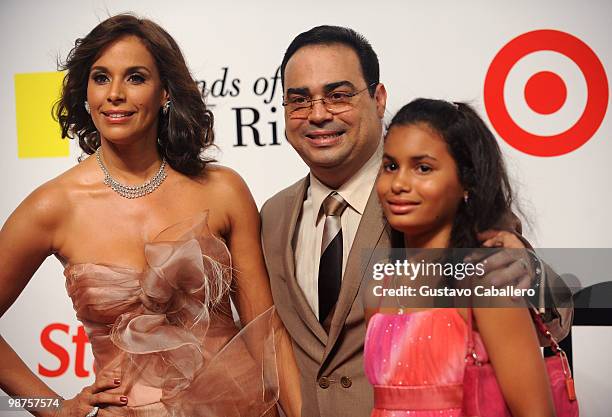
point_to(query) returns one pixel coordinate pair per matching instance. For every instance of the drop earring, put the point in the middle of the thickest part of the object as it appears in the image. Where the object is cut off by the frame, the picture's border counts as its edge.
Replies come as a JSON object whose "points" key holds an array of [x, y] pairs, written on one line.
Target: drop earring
{"points": [[166, 108], [87, 109]]}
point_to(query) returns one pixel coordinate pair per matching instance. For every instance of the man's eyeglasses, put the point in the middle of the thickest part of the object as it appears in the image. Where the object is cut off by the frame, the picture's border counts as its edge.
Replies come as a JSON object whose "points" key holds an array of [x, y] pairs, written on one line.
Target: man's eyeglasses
{"points": [[335, 102]]}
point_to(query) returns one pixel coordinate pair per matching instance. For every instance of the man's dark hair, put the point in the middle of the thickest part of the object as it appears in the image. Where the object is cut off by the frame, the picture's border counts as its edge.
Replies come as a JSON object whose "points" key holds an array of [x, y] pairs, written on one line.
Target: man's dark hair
{"points": [[329, 35]]}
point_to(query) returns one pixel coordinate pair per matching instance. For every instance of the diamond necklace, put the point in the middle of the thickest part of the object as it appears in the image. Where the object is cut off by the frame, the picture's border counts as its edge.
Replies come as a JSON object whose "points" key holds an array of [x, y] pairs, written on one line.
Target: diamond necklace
{"points": [[132, 191]]}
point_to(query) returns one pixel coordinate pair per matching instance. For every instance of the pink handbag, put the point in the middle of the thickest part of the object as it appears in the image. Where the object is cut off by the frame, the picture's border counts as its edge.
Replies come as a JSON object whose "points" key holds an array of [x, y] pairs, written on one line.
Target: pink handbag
{"points": [[482, 396]]}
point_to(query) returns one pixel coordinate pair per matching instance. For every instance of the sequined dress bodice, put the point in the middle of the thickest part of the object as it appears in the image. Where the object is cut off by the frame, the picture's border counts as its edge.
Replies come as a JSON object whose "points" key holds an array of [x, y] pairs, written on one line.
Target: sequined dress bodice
{"points": [[423, 353]]}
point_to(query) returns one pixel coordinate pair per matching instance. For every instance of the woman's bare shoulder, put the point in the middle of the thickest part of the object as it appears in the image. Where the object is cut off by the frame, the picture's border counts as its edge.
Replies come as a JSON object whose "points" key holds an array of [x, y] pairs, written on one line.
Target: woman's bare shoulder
{"points": [[224, 182], [54, 199]]}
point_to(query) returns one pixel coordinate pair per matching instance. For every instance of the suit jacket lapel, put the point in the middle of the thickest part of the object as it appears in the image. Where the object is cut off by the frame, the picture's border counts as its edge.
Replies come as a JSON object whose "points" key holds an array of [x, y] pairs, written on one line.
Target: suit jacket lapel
{"points": [[295, 202], [370, 229]]}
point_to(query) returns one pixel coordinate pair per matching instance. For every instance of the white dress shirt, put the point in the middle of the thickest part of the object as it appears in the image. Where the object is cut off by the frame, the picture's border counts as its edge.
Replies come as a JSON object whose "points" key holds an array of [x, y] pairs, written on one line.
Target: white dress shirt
{"points": [[355, 192]]}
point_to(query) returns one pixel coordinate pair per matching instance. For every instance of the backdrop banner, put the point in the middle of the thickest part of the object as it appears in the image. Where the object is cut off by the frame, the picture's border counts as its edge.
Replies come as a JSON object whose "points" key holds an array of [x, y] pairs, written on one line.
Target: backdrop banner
{"points": [[538, 73]]}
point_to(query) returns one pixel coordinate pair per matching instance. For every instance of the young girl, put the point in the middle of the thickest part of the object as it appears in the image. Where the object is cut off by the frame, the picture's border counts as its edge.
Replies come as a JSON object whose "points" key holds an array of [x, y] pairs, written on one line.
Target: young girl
{"points": [[442, 181]]}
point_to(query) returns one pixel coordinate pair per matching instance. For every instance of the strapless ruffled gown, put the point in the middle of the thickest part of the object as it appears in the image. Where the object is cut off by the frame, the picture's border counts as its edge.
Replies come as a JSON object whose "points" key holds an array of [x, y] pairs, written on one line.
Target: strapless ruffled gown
{"points": [[168, 331], [416, 362]]}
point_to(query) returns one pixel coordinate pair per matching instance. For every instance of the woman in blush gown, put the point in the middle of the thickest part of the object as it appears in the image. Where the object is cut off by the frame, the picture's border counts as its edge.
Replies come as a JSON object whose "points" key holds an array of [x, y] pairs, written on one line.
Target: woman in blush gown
{"points": [[154, 239], [442, 180]]}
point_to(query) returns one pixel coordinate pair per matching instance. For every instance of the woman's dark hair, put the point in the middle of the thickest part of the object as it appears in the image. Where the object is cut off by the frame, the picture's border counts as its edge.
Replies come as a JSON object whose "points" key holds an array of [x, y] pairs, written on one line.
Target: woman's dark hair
{"points": [[329, 35], [187, 129], [480, 165]]}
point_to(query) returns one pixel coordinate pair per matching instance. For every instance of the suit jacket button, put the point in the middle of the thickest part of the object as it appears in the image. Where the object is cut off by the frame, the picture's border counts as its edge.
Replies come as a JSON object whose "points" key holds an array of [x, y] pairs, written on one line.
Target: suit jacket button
{"points": [[346, 382], [324, 382]]}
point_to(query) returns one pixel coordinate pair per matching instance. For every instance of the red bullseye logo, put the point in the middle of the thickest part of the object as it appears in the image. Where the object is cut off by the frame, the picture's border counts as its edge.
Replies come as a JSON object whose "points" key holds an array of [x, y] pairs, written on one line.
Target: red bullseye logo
{"points": [[545, 93]]}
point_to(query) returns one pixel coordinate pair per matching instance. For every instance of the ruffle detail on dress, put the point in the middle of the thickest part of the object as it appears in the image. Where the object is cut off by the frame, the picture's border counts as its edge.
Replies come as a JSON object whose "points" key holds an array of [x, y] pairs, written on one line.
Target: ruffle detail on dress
{"points": [[163, 336], [237, 382]]}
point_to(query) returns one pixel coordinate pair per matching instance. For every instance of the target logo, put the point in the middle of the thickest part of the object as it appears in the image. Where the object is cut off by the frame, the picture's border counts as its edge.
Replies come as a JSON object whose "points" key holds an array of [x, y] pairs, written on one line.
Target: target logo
{"points": [[555, 109]]}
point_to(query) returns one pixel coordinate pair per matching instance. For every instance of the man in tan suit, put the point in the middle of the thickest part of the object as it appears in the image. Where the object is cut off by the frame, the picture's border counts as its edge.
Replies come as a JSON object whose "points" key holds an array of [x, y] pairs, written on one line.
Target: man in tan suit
{"points": [[334, 106]]}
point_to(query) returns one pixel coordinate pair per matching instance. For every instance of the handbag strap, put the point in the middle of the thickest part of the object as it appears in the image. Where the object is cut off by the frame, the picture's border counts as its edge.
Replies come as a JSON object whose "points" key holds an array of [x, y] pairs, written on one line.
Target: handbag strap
{"points": [[472, 357], [543, 329]]}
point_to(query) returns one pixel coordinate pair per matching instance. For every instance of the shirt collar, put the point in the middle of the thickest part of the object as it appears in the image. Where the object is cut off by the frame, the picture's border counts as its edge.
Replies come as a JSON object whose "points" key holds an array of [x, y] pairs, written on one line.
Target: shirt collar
{"points": [[356, 191]]}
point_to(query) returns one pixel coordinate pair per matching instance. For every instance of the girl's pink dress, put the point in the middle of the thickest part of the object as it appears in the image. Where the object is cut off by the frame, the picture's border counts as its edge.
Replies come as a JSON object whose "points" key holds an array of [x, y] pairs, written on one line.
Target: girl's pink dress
{"points": [[416, 362]]}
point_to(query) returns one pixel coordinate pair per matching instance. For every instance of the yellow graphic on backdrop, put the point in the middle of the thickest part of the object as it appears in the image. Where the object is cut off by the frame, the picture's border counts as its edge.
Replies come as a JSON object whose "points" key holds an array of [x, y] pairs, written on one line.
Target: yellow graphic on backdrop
{"points": [[38, 135]]}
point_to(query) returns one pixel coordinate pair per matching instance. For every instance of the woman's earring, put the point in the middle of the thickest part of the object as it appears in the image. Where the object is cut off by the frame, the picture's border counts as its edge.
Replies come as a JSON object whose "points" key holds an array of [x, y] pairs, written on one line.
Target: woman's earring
{"points": [[87, 109], [166, 108], [466, 197]]}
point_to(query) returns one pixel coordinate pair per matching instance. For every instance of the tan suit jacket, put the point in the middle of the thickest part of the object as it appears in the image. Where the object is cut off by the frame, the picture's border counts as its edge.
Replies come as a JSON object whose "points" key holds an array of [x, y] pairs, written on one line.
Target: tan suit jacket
{"points": [[333, 381]]}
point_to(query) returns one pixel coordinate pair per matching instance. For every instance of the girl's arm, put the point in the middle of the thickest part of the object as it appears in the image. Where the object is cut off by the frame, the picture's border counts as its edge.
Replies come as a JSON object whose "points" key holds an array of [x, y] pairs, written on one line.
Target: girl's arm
{"points": [[514, 351]]}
